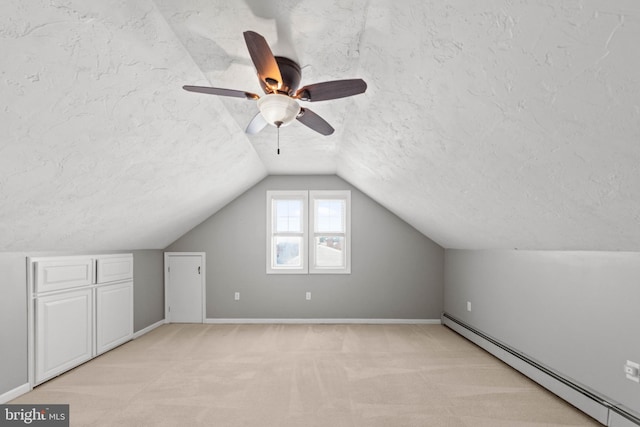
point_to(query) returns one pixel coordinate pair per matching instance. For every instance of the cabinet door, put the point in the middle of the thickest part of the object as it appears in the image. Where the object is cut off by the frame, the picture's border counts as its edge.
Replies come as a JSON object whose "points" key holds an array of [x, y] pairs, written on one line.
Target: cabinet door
{"points": [[114, 315], [63, 332], [114, 268]]}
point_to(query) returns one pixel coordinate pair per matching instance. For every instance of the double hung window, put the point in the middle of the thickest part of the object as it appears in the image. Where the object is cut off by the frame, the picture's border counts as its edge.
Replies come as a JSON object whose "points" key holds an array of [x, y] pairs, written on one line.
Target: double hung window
{"points": [[330, 223], [287, 239], [308, 232]]}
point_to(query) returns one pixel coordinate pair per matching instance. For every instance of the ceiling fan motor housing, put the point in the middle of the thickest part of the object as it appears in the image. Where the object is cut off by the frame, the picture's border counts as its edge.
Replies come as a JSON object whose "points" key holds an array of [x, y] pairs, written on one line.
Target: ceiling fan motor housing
{"points": [[291, 76]]}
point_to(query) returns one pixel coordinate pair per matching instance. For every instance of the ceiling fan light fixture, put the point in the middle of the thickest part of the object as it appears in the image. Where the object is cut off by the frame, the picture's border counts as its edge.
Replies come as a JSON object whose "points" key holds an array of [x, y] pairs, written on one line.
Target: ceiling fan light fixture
{"points": [[276, 108]]}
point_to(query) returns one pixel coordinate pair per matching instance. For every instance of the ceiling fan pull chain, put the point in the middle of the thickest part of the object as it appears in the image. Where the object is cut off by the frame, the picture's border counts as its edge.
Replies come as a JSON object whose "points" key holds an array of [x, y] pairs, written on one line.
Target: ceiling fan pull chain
{"points": [[278, 124]]}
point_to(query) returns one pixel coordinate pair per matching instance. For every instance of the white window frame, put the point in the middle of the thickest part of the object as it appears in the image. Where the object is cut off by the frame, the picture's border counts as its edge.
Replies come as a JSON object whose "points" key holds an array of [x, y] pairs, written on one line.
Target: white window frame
{"points": [[315, 195], [271, 233], [308, 233]]}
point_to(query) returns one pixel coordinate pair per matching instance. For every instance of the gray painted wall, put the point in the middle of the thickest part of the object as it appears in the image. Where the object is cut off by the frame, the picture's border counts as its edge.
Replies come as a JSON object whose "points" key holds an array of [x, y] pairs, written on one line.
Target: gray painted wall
{"points": [[397, 273], [13, 321], [148, 306], [148, 288], [576, 312]]}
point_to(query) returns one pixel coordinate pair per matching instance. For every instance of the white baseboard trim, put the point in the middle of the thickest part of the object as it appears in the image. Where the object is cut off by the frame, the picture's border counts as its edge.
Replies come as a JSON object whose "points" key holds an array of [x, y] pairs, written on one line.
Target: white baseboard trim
{"points": [[148, 329], [327, 321], [16, 392]]}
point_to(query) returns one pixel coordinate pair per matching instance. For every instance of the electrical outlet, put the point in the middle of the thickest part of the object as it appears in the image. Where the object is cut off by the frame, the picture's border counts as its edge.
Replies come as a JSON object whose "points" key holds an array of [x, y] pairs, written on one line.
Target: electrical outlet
{"points": [[632, 371], [237, 296], [468, 305], [308, 296]]}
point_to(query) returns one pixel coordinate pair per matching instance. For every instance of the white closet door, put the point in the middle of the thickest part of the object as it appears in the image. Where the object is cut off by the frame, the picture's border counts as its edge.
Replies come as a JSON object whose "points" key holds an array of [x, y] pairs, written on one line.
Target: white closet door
{"points": [[63, 332], [184, 288], [114, 315]]}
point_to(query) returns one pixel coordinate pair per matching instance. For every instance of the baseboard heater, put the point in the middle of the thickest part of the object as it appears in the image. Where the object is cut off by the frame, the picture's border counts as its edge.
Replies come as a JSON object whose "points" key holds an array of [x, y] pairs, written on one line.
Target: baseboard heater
{"points": [[592, 404]]}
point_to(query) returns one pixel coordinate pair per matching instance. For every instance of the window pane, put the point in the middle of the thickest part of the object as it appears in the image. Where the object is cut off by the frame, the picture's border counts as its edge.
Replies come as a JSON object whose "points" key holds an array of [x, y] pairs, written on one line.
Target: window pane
{"points": [[329, 216], [287, 251], [288, 216], [329, 251]]}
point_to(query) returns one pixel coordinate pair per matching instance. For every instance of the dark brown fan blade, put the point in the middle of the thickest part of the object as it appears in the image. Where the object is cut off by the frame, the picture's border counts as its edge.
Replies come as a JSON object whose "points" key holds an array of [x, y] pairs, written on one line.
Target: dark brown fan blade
{"points": [[331, 90], [264, 60], [314, 121], [222, 92]]}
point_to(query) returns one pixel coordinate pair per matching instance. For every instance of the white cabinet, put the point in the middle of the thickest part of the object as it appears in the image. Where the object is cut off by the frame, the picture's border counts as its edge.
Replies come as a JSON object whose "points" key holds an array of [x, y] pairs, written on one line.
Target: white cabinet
{"points": [[81, 306], [114, 315], [63, 332]]}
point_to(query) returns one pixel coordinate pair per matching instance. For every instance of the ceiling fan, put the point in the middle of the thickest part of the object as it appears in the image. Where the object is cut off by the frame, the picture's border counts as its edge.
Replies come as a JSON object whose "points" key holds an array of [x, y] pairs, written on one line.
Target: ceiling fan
{"points": [[280, 78]]}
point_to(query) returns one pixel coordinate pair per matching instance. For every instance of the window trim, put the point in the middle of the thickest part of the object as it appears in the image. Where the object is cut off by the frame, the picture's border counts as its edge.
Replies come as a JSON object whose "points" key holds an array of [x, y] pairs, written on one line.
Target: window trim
{"points": [[304, 248], [307, 249]]}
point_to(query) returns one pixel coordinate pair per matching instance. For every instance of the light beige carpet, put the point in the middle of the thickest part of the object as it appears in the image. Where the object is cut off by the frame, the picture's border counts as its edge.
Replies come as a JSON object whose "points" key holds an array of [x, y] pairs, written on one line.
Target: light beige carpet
{"points": [[303, 375]]}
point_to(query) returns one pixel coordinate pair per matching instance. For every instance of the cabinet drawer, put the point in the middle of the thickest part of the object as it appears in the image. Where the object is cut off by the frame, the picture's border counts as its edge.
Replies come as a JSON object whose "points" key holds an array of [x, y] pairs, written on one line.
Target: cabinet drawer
{"points": [[57, 274], [111, 269]]}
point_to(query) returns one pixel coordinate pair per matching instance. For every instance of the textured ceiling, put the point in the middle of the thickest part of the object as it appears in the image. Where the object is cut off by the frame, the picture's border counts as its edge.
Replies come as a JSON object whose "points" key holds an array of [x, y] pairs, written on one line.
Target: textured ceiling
{"points": [[503, 124]]}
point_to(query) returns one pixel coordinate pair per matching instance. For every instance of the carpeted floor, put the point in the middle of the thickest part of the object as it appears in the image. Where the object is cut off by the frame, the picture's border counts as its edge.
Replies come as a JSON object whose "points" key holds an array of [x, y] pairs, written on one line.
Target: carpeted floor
{"points": [[302, 375]]}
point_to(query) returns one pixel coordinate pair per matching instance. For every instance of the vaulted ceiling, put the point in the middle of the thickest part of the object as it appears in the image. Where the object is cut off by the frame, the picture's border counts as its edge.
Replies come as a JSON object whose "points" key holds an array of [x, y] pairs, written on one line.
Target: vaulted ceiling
{"points": [[502, 124]]}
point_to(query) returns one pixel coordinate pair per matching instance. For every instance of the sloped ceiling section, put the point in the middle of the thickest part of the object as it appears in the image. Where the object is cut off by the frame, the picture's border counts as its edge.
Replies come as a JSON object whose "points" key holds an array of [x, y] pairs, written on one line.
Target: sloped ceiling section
{"points": [[503, 124], [101, 149], [508, 124]]}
